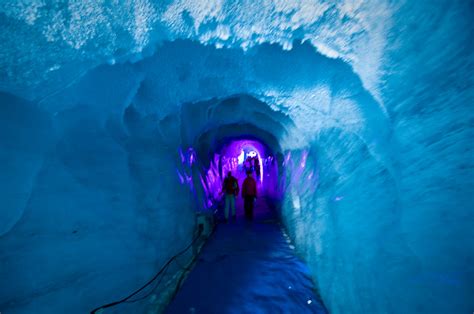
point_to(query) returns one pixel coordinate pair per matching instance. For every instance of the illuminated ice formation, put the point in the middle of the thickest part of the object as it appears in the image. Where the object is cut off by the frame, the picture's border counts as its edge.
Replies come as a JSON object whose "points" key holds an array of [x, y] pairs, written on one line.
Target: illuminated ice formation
{"points": [[366, 106]]}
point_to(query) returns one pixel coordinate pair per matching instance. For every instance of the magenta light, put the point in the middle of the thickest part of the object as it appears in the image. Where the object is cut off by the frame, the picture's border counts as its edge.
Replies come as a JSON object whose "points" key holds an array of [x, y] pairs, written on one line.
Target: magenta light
{"points": [[303, 159], [228, 159], [192, 156], [181, 179], [287, 158], [182, 156]]}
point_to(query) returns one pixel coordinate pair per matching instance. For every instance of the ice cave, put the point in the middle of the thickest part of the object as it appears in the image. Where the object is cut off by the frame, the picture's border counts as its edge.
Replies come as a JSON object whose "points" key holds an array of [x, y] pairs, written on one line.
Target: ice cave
{"points": [[120, 119]]}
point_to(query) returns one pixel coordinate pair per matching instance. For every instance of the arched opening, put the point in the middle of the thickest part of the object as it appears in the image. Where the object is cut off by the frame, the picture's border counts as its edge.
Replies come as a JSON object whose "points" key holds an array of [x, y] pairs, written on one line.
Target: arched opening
{"points": [[114, 117]]}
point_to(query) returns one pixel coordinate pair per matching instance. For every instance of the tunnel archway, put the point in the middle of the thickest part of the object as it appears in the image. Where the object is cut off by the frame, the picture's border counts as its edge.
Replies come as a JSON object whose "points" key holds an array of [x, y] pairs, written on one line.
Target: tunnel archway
{"points": [[103, 105], [218, 138]]}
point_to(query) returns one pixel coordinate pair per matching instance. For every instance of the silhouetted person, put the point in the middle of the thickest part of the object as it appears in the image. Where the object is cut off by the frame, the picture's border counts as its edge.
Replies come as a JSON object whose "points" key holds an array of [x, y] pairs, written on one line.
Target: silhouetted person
{"points": [[257, 167], [248, 164], [230, 188], [249, 193]]}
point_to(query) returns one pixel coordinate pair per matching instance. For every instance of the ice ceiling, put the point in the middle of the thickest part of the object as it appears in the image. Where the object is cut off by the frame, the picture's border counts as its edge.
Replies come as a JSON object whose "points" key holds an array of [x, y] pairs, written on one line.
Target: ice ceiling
{"points": [[368, 103]]}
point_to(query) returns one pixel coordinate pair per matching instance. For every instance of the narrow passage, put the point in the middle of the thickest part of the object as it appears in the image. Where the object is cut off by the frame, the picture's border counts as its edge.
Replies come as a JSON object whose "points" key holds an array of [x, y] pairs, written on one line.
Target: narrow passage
{"points": [[248, 267]]}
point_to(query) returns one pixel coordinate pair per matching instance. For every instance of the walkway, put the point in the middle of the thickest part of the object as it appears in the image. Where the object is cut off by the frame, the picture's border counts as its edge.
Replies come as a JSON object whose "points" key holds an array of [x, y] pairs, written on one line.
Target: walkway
{"points": [[247, 267]]}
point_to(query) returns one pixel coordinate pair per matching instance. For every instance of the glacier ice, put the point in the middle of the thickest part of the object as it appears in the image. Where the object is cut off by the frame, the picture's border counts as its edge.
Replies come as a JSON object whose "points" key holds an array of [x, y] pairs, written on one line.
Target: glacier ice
{"points": [[368, 105]]}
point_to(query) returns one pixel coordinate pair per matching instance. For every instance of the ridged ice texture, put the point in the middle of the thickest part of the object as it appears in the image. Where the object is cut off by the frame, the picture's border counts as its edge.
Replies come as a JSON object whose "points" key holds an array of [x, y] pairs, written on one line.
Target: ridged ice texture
{"points": [[378, 155], [76, 36]]}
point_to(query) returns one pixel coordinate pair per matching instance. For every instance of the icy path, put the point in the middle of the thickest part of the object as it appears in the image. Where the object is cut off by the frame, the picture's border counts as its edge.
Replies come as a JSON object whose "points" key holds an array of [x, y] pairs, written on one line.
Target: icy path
{"points": [[248, 267]]}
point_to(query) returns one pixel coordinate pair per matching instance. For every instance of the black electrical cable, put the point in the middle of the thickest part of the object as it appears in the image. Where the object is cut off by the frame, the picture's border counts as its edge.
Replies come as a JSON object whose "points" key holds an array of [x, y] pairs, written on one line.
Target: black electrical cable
{"points": [[159, 281], [152, 290], [94, 311], [182, 276], [188, 268]]}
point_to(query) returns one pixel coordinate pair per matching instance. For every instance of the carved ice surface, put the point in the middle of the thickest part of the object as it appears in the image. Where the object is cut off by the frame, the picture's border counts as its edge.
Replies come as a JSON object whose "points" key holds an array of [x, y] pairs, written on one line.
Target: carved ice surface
{"points": [[367, 105]]}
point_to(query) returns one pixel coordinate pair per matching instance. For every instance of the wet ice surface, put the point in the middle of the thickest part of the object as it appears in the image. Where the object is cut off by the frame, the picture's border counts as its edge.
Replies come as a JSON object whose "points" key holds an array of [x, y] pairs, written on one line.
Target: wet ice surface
{"points": [[248, 267]]}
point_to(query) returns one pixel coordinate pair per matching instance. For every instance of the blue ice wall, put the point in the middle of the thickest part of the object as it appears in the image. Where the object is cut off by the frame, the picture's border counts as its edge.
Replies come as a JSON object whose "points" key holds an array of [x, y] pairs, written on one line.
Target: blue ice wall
{"points": [[370, 102], [86, 212]]}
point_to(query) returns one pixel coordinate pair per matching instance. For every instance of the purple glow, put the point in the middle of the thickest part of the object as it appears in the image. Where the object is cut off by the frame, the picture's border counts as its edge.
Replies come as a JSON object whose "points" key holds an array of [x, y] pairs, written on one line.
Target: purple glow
{"points": [[237, 151], [181, 179], [192, 156], [267, 173], [287, 158], [232, 158], [182, 156], [241, 157], [204, 184], [301, 175], [303, 159]]}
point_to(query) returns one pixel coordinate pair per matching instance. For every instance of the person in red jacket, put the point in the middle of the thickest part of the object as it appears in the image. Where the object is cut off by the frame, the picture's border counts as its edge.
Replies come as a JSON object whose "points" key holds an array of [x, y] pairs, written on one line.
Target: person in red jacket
{"points": [[249, 193], [230, 187]]}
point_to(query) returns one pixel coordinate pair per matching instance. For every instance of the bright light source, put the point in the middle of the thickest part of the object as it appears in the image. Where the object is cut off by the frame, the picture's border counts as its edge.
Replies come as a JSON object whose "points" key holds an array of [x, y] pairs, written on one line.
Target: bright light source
{"points": [[241, 157], [252, 153]]}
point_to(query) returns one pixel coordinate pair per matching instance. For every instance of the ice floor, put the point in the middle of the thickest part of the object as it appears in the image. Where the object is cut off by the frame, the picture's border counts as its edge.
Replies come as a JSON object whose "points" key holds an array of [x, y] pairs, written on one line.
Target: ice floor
{"points": [[248, 267]]}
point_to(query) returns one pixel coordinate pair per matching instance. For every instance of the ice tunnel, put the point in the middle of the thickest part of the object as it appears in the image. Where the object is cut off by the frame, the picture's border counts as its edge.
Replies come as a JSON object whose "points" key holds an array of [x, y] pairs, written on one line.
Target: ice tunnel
{"points": [[118, 121]]}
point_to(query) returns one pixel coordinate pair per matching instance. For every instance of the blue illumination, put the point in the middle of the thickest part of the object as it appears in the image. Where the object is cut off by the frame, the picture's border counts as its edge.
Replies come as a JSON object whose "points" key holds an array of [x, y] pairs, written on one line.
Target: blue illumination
{"points": [[116, 119]]}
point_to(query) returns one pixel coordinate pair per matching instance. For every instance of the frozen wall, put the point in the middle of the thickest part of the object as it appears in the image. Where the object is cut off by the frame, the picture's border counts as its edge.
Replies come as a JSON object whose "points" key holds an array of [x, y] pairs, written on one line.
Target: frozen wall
{"points": [[371, 103], [86, 212]]}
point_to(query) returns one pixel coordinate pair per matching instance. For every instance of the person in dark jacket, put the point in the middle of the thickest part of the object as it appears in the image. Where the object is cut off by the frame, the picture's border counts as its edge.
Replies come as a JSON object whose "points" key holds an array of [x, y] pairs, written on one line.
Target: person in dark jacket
{"points": [[249, 193], [257, 168], [230, 188]]}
